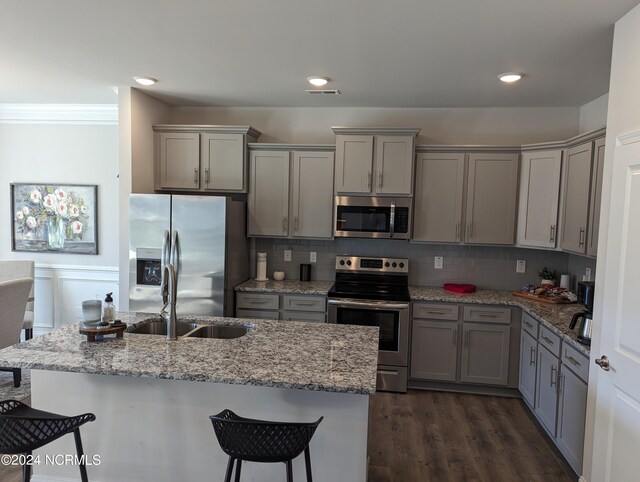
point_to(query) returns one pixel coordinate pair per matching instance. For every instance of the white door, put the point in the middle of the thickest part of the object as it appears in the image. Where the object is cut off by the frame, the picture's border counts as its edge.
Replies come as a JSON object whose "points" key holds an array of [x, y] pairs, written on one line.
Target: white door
{"points": [[616, 435]]}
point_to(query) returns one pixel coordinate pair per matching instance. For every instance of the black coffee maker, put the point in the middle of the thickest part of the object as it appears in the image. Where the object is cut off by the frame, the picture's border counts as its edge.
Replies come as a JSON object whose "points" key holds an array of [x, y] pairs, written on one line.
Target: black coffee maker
{"points": [[585, 296]]}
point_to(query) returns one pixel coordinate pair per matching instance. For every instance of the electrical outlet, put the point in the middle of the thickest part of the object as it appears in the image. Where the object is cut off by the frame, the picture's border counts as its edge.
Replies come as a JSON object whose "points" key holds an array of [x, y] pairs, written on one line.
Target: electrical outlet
{"points": [[587, 273], [312, 257], [521, 266], [287, 255], [437, 262]]}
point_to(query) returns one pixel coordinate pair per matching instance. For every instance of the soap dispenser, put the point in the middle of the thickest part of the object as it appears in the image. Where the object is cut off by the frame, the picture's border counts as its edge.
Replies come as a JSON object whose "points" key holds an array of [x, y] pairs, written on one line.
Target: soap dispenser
{"points": [[109, 312]]}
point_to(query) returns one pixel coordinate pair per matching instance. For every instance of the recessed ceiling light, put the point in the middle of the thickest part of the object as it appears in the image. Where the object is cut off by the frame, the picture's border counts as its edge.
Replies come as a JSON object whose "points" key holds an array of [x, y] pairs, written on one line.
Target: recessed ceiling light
{"points": [[318, 81], [509, 77], [145, 80]]}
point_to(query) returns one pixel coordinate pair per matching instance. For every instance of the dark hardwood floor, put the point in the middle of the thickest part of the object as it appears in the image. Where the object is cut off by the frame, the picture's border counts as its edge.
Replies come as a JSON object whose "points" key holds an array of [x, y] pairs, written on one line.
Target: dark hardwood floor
{"points": [[426, 436]]}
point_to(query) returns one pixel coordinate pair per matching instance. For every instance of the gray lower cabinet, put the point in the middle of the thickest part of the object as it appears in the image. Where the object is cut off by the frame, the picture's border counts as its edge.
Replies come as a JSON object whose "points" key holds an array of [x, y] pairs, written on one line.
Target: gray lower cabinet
{"points": [[485, 353], [528, 361], [572, 412], [434, 349], [546, 404], [276, 306], [448, 344]]}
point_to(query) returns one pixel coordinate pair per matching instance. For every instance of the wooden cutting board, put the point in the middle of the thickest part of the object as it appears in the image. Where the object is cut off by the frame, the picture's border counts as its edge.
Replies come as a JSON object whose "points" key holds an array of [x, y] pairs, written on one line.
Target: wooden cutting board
{"points": [[554, 300]]}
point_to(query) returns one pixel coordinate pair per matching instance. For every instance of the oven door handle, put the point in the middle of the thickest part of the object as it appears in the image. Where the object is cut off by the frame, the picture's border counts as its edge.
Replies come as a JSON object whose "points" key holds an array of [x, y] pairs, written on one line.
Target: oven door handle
{"points": [[373, 305]]}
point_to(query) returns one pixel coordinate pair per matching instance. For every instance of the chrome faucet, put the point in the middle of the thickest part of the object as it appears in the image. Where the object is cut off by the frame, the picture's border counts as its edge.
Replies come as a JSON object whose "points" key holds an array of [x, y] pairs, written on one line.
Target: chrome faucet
{"points": [[168, 288]]}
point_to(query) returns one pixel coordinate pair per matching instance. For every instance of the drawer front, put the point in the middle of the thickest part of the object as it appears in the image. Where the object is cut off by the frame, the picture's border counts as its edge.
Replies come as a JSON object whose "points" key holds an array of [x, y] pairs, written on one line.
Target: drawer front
{"points": [[312, 316], [304, 303], [530, 325], [257, 301], [260, 314], [434, 311], [575, 361], [487, 314], [549, 340]]}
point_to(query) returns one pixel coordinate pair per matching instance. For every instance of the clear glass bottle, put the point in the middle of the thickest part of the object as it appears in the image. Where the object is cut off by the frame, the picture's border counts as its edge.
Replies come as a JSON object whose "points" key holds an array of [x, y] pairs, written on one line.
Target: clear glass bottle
{"points": [[109, 311]]}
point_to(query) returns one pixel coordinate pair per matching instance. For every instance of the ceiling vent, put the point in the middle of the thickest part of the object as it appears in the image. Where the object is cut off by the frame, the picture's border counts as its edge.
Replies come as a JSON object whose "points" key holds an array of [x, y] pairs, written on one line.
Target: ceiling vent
{"points": [[324, 91]]}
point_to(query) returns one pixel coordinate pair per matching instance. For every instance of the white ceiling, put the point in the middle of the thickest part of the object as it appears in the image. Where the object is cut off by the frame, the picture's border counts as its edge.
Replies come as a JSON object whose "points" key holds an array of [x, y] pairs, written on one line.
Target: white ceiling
{"points": [[380, 53]]}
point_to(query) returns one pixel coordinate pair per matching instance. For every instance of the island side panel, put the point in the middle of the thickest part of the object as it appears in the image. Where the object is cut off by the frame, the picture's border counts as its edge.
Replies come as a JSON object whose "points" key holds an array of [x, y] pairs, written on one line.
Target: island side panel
{"points": [[158, 430]]}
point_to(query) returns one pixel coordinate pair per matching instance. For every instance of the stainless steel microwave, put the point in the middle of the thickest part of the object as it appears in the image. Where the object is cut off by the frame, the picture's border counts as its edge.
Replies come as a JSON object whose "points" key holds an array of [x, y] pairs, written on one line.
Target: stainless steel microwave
{"points": [[372, 217]]}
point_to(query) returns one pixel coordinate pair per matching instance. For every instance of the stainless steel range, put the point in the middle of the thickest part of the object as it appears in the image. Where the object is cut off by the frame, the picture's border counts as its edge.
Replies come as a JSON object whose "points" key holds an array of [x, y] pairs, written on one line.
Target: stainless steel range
{"points": [[375, 292]]}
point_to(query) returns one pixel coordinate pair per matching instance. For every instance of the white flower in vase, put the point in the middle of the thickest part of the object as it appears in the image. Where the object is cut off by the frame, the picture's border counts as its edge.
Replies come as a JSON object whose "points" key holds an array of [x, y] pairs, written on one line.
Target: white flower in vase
{"points": [[84, 210], [31, 222], [25, 210], [62, 209], [74, 211], [19, 215], [35, 196], [76, 227], [60, 194], [49, 202]]}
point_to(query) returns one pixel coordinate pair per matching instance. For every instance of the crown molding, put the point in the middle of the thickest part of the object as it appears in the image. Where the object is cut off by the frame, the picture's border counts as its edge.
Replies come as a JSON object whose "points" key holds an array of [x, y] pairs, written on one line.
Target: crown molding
{"points": [[392, 131], [248, 130], [629, 138], [465, 148], [79, 114], [269, 146]]}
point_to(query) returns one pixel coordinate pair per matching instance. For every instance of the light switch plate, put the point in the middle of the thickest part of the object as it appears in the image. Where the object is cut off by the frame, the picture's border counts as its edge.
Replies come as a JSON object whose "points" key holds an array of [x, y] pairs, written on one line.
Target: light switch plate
{"points": [[287, 255], [437, 262], [312, 257], [521, 266]]}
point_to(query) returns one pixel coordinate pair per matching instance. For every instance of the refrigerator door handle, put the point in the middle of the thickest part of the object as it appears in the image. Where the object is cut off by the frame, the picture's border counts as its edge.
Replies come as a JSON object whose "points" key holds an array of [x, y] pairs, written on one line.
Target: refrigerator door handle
{"points": [[174, 260], [166, 246]]}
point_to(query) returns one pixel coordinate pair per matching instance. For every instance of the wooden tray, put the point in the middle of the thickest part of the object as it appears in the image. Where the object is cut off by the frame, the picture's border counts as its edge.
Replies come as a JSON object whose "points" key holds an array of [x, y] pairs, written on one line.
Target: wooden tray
{"points": [[94, 331], [554, 300]]}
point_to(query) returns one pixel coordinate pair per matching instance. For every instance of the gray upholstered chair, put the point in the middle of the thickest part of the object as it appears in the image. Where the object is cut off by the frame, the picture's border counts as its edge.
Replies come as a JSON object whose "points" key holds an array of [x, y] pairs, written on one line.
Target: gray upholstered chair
{"points": [[21, 269], [13, 300]]}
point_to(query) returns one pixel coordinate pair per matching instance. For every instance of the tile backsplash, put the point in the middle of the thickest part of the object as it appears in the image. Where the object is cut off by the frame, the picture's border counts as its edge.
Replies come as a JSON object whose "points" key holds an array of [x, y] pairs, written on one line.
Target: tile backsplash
{"points": [[490, 267]]}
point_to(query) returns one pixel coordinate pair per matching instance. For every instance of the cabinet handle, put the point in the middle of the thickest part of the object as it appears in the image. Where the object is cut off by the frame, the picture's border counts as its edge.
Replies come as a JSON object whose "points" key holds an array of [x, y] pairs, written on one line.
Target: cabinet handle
{"points": [[581, 240], [457, 231], [369, 179], [532, 357], [380, 180], [487, 315], [547, 340], [455, 336], [527, 323], [560, 385], [195, 176], [552, 236], [257, 302], [284, 225], [304, 303], [295, 223], [434, 312], [469, 230], [206, 176], [553, 376], [571, 359]]}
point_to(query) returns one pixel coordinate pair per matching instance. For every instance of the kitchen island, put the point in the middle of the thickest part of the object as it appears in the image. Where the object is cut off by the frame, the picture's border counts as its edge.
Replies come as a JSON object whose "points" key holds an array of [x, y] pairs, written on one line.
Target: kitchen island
{"points": [[152, 397]]}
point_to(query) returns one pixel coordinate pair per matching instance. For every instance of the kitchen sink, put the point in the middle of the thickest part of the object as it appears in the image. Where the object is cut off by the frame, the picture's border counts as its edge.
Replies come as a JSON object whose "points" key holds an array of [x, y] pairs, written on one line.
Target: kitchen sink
{"points": [[159, 327], [219, 331]]}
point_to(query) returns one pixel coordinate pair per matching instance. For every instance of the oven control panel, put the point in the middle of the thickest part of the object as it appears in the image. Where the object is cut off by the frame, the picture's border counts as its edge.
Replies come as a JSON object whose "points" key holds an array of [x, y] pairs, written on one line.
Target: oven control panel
{"points": [[372, 264]]}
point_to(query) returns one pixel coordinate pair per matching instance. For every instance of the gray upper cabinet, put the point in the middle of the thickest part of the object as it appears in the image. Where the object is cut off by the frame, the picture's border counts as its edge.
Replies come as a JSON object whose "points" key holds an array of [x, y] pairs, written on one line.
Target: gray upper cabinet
{"points": [[291, 193], [268, 206], [177, 160], [437, 214], [595, 198], [576, 198], [374, 161], [201, 157], [223, 162], [492, 188], [312, 194], [539, 197]]}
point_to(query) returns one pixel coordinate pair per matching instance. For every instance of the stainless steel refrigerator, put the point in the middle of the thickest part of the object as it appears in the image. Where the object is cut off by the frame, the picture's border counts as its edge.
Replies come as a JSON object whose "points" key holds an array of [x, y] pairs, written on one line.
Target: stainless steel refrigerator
{"points": [[203, 236]]}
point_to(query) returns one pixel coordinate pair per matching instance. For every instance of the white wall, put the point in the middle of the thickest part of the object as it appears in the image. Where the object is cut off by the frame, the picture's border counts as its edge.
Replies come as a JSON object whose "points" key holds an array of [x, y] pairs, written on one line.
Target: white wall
{"points": [[593, 115], [63, 144], [504, 126], [623, 117]]}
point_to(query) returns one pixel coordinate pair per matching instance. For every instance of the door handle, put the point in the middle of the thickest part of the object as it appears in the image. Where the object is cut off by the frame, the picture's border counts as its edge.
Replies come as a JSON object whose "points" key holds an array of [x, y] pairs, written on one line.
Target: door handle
{"points": [[581, 240], [552, 235], [164, 260], [175, 252], [603, 362]]}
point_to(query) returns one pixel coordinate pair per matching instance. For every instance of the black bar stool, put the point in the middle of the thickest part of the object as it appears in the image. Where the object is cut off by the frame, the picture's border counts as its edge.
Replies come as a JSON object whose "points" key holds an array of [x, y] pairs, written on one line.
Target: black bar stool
{"points": [[262, 441], [24, 429]]}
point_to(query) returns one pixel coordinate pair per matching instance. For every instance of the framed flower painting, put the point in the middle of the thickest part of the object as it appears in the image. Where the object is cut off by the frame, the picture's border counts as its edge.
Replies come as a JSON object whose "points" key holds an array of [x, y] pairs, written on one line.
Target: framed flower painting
{"points": [[54, 218]]}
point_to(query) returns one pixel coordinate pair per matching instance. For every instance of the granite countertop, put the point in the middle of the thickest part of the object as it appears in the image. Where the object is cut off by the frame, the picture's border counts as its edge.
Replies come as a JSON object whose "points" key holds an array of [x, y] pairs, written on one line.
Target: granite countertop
{"points": [[300, 355], [286, 287], [554, 317]]}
